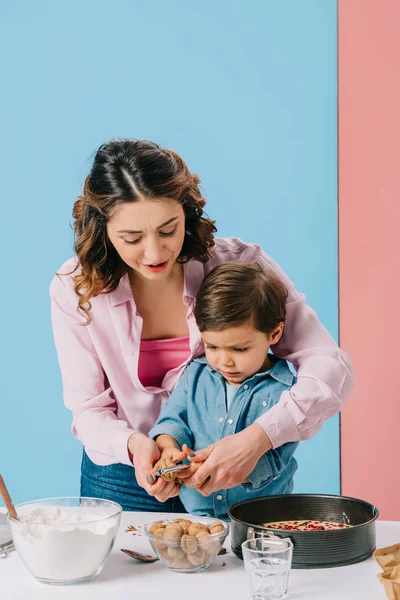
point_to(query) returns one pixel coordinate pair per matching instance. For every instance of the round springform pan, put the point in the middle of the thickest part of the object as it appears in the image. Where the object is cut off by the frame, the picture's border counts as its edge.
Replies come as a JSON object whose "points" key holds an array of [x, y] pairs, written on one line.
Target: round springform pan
{"points": [[311, 549]]}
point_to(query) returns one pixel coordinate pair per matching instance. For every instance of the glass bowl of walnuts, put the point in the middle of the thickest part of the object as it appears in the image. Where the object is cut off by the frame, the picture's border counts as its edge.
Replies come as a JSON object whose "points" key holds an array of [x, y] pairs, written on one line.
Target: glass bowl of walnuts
{"points": [[186, 545]]}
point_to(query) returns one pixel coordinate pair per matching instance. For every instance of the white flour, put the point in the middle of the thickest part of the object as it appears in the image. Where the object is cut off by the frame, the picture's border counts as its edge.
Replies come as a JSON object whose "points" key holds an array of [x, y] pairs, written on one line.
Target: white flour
{"points": [[60, 544]]}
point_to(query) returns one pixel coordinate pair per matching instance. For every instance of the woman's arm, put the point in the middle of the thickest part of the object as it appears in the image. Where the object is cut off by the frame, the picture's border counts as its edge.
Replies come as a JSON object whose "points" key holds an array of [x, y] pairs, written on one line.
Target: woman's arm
{"points": [[324, 382], [88, 395], [86, 390], [324, 372], [229, 461]]}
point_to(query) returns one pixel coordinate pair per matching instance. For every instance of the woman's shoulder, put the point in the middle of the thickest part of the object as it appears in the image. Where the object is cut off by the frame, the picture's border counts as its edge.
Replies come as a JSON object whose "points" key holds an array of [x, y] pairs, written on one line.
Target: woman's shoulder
{"points": [[227, 249], [70, 265], [232, 244], [63, 279], [69, 269]]}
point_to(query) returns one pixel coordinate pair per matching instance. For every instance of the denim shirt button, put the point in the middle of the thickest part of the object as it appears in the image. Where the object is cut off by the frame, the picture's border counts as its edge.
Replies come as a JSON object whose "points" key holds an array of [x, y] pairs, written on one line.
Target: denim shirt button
{"points": [[246, 387], [220, 420], [230, 421], [219, 497], [264, 403]]}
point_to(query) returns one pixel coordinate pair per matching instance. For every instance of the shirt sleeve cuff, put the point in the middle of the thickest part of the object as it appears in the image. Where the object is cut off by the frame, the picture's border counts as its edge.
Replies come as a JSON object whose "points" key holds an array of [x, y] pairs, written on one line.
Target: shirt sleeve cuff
{"points": [[170, 429], [119, 446], [260, 475]]}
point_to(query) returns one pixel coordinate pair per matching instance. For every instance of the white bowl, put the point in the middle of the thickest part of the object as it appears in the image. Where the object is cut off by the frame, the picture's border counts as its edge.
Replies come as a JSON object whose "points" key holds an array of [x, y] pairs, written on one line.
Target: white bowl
{"points": [[65, 540]]}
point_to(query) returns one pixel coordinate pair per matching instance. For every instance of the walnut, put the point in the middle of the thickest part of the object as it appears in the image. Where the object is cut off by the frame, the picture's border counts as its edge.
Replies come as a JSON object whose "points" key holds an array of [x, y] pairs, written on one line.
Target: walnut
{"points": [[173, 530], [159, 533], [156, 525], [213, 547], [216, 528], [181, 563], [163, 552], [185, 524], [194, 528], [204, 541], [197, 558], [163, 463], [176, 552], [189, 543]]}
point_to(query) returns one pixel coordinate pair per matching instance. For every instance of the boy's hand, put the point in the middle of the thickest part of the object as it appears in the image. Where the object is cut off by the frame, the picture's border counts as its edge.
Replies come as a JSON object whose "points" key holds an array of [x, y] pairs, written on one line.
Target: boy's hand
{"points": [[185, 475], [174, 454]]}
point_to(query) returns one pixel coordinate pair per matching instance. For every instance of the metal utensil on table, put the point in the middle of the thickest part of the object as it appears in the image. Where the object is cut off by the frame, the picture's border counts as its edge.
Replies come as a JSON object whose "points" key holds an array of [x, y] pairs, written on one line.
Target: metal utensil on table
{"points": [[174, 469], [140, 556]]}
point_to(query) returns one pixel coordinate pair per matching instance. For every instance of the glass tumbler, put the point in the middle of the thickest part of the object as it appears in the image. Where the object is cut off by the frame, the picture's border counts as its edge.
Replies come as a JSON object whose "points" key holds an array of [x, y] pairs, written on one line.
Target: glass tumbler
{"points": [[267, 561]]}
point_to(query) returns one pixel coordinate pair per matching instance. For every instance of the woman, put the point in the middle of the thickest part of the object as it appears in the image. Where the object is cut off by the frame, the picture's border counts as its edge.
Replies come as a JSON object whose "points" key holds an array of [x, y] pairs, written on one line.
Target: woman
{"points": [[122, 313]]}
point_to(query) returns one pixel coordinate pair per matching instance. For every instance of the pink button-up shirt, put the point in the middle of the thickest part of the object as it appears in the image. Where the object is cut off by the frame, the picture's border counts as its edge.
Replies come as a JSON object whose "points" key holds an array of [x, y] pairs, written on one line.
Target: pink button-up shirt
{"points": [[99, 362]]}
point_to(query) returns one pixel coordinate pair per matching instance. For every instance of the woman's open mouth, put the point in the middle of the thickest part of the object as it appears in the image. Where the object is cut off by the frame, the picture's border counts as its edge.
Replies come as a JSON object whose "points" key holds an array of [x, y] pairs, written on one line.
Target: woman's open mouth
{"points": [[157, 267]]}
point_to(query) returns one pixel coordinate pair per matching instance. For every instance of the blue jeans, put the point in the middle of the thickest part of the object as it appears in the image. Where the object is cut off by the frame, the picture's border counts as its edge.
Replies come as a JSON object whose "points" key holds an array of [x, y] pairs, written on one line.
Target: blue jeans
{"points": [[118, 483]]}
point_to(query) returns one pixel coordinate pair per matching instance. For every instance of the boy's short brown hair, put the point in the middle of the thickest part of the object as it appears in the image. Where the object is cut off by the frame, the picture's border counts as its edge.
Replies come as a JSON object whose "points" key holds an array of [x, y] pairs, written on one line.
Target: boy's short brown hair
{"points": [[236, 292]]}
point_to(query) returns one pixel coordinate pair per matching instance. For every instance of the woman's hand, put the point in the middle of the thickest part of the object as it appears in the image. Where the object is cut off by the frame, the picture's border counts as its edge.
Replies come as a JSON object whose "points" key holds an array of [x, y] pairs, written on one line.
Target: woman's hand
{"points": [[166, 489], [184, 476], [145, 453], [229, 462]]}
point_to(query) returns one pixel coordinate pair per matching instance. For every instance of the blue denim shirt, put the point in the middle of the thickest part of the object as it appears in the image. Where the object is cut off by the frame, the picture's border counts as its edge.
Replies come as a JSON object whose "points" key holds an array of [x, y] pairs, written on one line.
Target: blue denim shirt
{"points": [[195, 414]]}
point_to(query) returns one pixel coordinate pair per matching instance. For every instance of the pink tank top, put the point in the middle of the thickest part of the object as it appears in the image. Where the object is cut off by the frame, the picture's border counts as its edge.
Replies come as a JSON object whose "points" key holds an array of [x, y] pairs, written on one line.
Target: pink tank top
{"points": [[157, 357]]}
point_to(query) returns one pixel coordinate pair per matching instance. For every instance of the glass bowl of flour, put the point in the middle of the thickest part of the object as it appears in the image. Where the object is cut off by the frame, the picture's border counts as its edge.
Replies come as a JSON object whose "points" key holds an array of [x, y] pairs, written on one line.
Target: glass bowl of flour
{"points": [[65, 540]]}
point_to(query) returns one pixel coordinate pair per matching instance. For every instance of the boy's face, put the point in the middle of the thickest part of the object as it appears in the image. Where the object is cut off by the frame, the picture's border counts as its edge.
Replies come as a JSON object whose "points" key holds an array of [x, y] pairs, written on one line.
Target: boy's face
{"points": [[239, 352]]}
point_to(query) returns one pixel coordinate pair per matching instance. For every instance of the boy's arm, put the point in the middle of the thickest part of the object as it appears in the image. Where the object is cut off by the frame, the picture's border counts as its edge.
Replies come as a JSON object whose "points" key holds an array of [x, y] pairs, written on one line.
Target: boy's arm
{"points": [[165, 441], [169, 448], [173, 420]]}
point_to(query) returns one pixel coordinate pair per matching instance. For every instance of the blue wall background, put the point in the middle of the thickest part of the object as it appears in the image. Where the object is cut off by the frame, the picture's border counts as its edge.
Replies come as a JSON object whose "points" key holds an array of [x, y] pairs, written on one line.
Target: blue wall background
{"points": [[245, 92]]}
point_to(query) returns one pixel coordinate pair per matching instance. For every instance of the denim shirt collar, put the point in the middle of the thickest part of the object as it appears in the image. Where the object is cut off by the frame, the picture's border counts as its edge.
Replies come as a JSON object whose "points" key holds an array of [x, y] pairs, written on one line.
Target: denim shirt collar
{"points": [[278, 371]]}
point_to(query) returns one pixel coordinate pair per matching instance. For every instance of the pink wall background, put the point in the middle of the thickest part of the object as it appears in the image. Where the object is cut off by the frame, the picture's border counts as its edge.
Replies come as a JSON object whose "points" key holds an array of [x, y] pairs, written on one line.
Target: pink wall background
{"points": [[369, 247]]}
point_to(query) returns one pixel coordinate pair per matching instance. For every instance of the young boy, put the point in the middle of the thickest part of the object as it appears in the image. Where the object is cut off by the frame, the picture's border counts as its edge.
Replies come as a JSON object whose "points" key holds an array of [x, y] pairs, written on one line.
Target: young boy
{"points": [[240, 312]]}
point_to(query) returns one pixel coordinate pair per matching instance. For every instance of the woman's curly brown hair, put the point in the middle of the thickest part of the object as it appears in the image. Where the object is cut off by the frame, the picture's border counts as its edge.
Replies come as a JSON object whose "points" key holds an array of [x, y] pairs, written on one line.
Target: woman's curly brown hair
{"points": [[126, 170]]}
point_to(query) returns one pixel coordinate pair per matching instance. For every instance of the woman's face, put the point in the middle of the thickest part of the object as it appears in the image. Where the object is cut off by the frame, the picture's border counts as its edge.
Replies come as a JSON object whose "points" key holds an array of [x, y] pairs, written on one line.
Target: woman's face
{"points": [[148, 235]]}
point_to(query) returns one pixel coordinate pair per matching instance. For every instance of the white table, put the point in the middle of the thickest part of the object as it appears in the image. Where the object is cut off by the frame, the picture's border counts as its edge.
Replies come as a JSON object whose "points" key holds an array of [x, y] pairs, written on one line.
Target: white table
{"points": [[124, 578]]}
